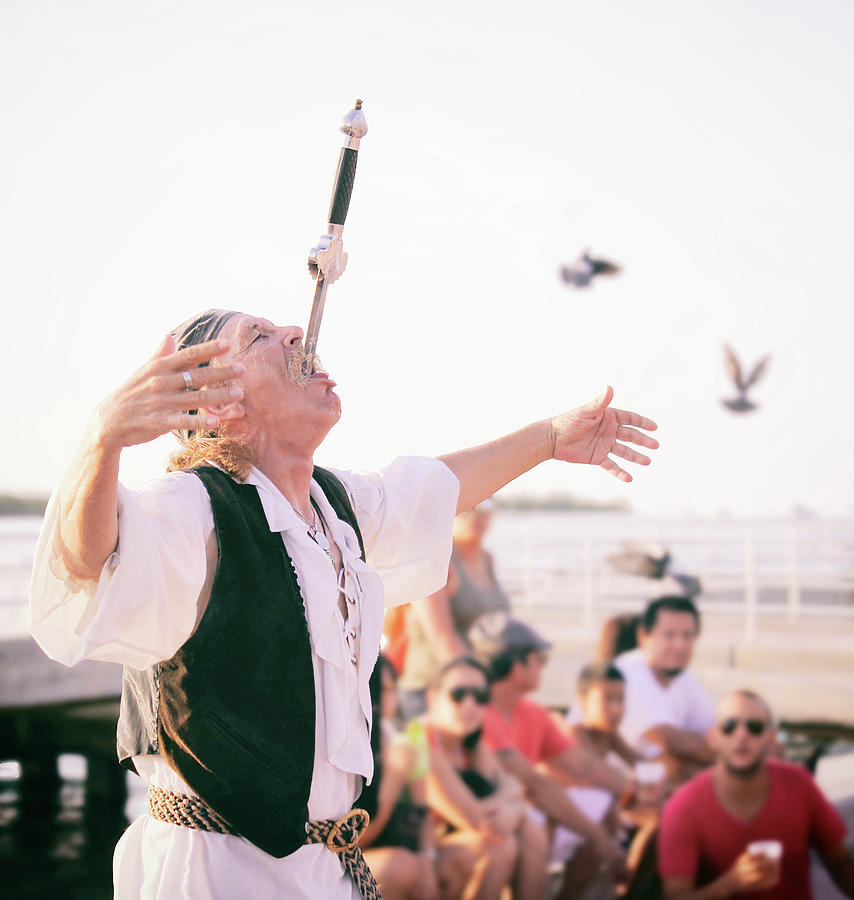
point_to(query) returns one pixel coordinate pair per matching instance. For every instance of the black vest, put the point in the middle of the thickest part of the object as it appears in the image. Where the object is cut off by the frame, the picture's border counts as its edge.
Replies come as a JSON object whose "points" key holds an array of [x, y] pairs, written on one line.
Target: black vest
{"points": [[233, 711]]}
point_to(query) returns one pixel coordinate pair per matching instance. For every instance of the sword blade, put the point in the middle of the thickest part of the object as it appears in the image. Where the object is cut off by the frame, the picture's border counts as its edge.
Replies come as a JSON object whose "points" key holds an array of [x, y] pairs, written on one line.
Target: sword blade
{"points": [[313, 330]]}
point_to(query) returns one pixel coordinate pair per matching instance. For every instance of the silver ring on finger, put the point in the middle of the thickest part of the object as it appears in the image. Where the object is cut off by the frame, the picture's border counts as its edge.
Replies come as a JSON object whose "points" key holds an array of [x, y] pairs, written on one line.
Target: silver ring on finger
{"points": [[188, 381]]}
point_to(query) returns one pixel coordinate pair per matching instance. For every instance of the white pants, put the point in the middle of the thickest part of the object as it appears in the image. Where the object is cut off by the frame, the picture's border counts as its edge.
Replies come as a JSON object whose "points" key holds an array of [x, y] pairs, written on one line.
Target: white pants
{"points": [[593, 802]]}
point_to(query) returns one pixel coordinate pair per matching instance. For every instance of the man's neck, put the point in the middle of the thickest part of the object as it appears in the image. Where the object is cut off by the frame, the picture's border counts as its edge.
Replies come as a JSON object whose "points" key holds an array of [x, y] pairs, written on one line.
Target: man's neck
{"points": [[292, 476], [286, 456], [505, 696], [743, 796], [663, 676]]}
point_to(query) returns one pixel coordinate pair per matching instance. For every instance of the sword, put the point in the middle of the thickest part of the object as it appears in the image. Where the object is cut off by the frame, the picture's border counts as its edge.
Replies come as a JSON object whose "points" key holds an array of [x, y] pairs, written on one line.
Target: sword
{"points": [[327, 261]]}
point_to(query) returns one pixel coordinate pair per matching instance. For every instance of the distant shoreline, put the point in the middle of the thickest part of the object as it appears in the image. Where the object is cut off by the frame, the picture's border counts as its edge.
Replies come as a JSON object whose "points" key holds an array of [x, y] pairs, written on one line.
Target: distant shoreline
{"points": [[11, 505], [561, 503]]}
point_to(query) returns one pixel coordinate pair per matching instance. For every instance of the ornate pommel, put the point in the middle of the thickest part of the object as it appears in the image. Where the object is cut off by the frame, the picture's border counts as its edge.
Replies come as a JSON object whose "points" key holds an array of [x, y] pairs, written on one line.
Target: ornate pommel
{"points": [[355, 126]]}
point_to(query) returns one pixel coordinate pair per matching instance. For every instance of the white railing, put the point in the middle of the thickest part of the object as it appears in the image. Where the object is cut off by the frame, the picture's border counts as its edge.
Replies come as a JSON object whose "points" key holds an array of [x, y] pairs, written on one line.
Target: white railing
{"points": [[781, 568]]}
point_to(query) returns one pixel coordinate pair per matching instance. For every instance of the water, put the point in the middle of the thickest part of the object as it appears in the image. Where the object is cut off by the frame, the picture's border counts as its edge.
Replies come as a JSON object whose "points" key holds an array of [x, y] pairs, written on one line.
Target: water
{"points": [[17, 544], [57, 835], [59, 817]]}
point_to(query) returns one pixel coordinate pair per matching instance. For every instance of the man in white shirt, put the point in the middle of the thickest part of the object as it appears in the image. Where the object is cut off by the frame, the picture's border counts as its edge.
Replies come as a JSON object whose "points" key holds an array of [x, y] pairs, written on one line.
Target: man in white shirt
{"points": [[142, 578], [665, 704]]}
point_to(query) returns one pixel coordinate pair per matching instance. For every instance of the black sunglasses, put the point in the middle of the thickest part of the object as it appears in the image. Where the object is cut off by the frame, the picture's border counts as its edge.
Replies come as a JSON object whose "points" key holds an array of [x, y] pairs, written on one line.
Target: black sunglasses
{"points": [[480, 695], [754, 726]]}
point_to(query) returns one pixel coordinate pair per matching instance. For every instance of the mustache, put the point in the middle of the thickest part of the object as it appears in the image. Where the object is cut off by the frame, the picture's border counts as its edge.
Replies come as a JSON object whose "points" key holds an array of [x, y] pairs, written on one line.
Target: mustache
{"points": [[294, 365]]}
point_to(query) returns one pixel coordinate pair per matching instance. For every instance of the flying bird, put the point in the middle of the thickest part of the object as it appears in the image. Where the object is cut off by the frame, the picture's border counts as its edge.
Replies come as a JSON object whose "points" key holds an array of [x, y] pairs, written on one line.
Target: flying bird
{"points": [[652, 559], [585, 269], [742, 384]]}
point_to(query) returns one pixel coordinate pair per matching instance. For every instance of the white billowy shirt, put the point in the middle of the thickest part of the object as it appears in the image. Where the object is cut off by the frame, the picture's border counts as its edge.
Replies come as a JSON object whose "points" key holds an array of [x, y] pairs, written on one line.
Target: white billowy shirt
{"points": [[148, 601], [684, 703]]}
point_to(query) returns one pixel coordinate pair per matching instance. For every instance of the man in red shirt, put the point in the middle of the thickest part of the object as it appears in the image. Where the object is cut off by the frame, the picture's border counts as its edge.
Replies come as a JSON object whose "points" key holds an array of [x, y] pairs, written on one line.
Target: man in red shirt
{"points": [[529, 743], [710, 823]]}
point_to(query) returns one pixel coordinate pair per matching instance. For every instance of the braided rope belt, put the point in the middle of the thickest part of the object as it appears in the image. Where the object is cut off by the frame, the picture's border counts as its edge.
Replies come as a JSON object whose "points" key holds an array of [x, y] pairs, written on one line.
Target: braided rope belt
{"points": [[341, 836]]}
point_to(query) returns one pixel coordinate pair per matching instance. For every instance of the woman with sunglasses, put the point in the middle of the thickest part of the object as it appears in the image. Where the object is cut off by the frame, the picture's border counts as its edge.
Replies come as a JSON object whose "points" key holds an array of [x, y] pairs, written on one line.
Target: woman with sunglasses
{"points": [[482, 806]]}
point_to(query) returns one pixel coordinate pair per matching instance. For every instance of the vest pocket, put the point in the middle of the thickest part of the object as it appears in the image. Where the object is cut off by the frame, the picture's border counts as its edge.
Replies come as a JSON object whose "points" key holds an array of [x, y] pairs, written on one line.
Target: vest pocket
{"points": [[232, 736]]}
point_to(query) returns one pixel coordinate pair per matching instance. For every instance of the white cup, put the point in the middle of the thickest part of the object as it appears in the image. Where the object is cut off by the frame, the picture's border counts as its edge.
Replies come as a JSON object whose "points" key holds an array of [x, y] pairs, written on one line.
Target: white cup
{"points": [[649, 771], [649, 775], [769, 849], [773, 852]]}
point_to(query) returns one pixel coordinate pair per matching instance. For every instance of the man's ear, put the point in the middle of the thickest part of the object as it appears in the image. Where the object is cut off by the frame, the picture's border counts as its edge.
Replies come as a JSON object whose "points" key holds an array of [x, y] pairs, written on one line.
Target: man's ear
{"points": [[776, 747], [231, 410], [713, 737]]}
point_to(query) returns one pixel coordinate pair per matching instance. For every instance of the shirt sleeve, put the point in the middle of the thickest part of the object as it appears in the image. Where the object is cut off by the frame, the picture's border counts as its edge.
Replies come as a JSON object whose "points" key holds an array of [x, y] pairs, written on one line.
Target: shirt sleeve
{"points": [[678, 844], [496, 735], [827, 827], [144, 605], [406, 513], [554, 741], [701, 710]]}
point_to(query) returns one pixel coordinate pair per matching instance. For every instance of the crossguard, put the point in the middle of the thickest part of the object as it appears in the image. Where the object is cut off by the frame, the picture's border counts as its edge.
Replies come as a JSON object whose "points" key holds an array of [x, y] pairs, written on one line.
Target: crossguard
{"points": [[328, 257]]}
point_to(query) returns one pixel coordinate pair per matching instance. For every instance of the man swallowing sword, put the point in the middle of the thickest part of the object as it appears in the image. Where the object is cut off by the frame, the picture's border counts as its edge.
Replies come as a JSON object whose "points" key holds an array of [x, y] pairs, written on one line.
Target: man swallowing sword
{"points": [[246, 707]]}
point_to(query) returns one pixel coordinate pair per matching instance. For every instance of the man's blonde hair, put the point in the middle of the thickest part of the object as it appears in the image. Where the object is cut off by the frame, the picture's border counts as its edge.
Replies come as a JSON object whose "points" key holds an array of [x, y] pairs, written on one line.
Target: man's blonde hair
{"points": [[229, 452]]}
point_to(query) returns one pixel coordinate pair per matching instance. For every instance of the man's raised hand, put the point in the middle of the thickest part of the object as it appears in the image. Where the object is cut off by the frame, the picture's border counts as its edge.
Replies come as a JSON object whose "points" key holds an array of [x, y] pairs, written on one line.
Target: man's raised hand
{"points": [[593, 433], [157, 397]]}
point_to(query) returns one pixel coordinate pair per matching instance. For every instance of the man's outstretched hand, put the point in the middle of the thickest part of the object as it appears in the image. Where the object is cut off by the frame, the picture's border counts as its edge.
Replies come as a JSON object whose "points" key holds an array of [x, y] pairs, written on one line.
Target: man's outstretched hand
{"points": [[593, 433]]}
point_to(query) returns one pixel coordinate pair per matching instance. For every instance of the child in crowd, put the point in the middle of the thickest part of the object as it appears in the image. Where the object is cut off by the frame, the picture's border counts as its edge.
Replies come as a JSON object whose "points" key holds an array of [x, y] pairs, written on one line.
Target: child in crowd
{"points": [[594, 723]]}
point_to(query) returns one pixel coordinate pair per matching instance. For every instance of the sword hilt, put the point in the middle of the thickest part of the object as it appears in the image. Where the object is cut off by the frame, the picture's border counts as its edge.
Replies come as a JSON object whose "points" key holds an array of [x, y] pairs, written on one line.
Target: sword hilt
{"points": [[345, 176], [327, 259], [328, 256], [355, 127]]}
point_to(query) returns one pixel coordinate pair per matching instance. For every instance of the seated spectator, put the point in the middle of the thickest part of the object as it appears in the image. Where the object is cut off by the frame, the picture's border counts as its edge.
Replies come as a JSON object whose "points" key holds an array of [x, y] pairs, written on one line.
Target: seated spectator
{"points": [[482, 805], [665, 703], [399, 844], [534, 749], [710, 825], [600, 704], [596, 728], [598, 713]]}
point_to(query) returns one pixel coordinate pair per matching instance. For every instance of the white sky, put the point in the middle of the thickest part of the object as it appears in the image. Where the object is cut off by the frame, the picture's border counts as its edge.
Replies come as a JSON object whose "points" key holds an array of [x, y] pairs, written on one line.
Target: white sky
{"points": [[160, 158]]}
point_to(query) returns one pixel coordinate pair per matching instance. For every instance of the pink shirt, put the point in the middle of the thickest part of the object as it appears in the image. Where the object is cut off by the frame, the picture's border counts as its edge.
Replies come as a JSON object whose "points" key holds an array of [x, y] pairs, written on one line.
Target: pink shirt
{"points": [[698, 835], [530, 730]]}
